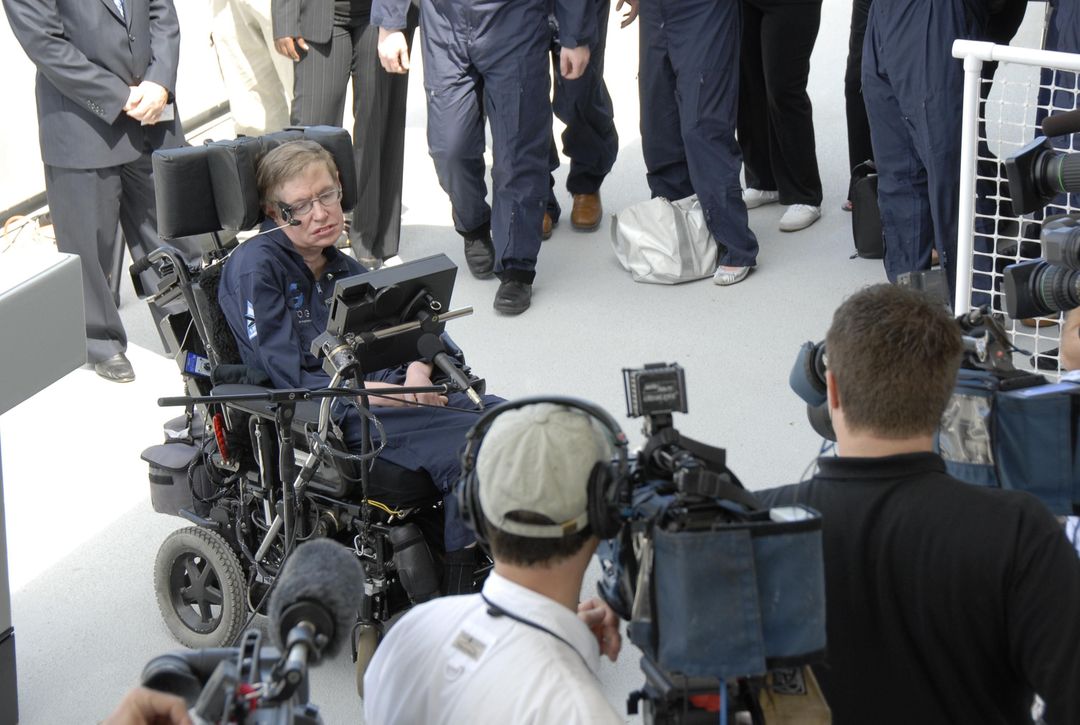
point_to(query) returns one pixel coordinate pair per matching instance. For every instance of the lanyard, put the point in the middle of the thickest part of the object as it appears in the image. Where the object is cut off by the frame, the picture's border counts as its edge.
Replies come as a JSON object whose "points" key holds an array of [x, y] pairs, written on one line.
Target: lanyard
{"points": [[494, 610]]}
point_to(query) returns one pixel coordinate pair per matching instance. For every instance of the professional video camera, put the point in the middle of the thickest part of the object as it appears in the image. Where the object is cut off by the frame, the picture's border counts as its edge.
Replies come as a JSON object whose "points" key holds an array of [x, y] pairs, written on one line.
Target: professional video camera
{"points": [[1050, 285], [719, 592], [1037, 174], [311, 610]]}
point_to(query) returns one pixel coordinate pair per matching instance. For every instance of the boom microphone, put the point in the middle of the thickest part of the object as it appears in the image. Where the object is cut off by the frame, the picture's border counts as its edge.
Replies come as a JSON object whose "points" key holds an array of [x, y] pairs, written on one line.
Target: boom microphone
{"points": [[1061, 124], [315, 600], [431, 347]]}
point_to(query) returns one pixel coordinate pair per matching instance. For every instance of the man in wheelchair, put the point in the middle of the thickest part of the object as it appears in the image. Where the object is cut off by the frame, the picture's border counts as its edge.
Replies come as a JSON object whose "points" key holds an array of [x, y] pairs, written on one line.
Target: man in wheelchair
{"points": [[275, 293]]}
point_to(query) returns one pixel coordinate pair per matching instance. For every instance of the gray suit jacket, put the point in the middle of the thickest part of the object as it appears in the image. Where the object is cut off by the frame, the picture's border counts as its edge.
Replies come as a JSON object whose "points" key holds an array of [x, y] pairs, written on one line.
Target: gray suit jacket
{"points": [[87, 56], [309, 19]]}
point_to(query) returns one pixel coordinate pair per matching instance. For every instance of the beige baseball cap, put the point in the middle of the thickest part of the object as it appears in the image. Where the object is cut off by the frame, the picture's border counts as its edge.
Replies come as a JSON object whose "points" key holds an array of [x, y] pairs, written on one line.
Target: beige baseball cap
{"points": [[538, 460]]}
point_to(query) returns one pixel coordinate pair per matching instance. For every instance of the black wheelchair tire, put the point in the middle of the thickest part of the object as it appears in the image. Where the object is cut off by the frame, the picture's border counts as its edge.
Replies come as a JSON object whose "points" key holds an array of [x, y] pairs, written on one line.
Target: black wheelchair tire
{"points": [[199, 585]]}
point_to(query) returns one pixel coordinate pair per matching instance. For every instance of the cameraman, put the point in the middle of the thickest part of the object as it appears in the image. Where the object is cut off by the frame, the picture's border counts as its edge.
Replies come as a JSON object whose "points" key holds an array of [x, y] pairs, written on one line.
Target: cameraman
{"points": [[947, 602], [516, 652]]}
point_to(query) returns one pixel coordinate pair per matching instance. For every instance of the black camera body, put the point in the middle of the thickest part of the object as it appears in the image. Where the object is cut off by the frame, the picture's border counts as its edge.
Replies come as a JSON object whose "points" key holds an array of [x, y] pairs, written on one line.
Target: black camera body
{"points": [[243, 684]]}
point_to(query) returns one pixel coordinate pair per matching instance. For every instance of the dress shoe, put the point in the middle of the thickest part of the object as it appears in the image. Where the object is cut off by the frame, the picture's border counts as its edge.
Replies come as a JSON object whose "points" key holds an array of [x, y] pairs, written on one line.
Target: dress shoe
{"points": [[549, 224], [753, 198], [587, 212], [116, 368], [480, 256], [513, 297], [799, 216]]}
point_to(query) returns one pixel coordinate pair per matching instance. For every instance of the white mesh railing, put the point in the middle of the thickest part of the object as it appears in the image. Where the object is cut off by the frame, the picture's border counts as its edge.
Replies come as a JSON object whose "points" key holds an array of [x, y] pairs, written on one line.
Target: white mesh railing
{"points": [[1029, 84]]}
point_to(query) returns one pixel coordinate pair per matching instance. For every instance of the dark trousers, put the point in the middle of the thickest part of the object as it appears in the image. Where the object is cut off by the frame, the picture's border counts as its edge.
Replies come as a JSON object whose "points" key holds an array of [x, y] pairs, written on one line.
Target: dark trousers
{"points": [[584, 105], [858, 126], [914, 90], [86, 206], [320, 81], [491, 63], [689, 89], [776, 118]]}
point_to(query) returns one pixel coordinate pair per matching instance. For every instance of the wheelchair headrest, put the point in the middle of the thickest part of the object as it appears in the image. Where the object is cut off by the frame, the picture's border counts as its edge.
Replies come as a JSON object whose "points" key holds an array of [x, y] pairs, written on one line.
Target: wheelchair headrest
{"points": [[210, 188]]}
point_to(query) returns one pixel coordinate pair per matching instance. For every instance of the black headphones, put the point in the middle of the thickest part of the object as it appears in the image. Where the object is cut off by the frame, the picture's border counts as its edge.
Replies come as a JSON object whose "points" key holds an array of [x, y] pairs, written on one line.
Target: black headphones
{"points": [[607, 485]]}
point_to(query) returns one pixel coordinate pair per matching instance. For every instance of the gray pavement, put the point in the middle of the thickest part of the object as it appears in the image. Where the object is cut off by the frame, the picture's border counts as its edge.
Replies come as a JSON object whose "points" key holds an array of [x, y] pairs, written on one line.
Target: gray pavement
{"points": [[83, 537]]}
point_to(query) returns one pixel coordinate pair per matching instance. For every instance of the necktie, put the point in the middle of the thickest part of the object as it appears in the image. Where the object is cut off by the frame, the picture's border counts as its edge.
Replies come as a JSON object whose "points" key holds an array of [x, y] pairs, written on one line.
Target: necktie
{"points": [[119, 6]]}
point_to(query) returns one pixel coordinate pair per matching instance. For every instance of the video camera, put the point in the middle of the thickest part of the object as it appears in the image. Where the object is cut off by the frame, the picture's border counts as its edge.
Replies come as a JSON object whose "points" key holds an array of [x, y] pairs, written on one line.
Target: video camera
{"points": [[1050, 285], [312, 607], [1037, 174], [718, 590]]}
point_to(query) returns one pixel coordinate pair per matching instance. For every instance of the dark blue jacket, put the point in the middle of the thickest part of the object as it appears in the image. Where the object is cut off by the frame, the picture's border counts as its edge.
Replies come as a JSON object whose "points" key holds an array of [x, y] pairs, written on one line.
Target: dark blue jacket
{"points": [[276, 308]]}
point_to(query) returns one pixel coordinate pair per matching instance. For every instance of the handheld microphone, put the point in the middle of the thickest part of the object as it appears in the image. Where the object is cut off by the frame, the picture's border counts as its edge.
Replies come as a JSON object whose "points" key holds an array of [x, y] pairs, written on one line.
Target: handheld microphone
{"points": [[1061, 124], [314, 603], [432, 348]]}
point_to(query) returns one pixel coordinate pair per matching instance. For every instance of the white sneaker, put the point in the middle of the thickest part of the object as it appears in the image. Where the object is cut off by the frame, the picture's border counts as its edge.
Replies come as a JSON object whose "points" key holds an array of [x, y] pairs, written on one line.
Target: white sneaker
{"points": [[799, 216], [754, 198]]}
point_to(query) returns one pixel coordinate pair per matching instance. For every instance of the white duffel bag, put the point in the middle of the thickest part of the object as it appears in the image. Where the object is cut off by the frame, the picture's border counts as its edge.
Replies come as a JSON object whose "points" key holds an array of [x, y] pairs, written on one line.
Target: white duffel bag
{"points": [[664, 242]]}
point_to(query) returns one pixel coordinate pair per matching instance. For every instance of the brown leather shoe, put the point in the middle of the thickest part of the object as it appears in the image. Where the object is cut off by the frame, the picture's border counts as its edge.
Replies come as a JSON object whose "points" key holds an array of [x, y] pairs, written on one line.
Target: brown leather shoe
{"points": [[545, 232], [587, 212]]}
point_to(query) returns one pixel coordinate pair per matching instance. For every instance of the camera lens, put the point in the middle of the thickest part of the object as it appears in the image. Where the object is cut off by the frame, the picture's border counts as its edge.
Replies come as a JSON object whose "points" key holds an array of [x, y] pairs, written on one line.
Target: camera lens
{"points": [[1056, 288], [1036, 288]]}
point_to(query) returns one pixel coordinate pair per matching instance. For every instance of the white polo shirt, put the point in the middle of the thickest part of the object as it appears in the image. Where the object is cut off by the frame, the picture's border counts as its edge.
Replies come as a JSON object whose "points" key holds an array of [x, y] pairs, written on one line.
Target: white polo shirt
{"points": [[449, 661]]}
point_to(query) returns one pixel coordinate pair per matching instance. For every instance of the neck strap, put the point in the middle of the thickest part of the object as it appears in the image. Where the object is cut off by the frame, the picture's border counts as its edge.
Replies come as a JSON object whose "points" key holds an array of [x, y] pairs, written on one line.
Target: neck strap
{"points": [[494, 610]]}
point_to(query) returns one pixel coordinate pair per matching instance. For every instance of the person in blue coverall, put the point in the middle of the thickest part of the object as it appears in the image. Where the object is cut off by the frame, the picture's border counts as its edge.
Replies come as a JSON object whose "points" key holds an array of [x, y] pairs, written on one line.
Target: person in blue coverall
{"points": [[589, 140], [688, 81], [913, 89], [488, 61], [275, 292]]}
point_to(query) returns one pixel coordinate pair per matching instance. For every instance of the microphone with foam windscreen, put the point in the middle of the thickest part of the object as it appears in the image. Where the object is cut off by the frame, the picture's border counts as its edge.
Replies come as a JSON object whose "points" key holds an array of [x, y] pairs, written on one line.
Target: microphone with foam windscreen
{"points": [[1061, 124], [314, 603], [432, 348]]}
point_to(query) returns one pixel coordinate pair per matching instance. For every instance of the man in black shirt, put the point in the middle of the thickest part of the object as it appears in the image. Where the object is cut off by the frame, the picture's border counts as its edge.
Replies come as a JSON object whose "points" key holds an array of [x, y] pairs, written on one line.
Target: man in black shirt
{"points": [[946, 602]]}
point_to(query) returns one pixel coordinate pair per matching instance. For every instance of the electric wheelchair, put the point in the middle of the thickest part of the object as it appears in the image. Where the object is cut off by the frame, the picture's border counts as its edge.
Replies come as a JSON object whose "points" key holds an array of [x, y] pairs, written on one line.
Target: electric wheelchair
{"points": [[255, 470]]}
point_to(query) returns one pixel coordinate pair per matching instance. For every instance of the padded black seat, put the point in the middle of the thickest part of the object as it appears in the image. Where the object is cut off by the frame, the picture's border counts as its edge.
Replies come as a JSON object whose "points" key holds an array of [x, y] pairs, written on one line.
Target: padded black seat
{"points": [[388, 483]]}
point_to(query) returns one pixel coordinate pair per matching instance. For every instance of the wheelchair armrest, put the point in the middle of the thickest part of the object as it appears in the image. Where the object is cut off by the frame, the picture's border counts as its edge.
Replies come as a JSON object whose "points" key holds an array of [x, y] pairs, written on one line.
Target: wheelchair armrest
{"points": [[306, 411]]}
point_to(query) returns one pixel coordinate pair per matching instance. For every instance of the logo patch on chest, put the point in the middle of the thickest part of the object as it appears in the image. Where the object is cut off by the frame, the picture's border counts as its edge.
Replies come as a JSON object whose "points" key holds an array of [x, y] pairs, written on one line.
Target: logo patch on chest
{"points": [[294, 296]]}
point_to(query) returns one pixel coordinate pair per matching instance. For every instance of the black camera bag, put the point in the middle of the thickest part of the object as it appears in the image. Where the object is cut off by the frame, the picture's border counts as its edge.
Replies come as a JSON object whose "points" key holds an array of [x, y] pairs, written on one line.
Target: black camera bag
{"points": [[865, 215]]}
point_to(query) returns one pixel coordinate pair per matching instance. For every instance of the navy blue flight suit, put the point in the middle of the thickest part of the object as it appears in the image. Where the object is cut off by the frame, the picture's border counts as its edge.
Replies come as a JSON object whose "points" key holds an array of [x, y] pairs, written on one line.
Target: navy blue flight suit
{"points": [[688, 78], [489, 60], [584, 106], [1063, 34], [276, 308], [913, 89]]}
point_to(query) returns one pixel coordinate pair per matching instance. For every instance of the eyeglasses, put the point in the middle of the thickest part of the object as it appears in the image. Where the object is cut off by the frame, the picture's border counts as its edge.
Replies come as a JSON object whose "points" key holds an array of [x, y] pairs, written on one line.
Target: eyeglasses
{"points": [[328, 198]]}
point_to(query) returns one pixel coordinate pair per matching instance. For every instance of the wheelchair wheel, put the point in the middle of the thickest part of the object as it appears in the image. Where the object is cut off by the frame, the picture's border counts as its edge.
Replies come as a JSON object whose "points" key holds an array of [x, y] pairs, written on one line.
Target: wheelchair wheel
{"points": [[367, 639], [200, 588]]}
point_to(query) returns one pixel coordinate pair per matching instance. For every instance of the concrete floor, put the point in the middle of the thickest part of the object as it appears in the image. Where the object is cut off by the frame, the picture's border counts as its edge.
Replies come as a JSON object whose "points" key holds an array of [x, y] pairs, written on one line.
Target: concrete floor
{"points": [[82, 535]]}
